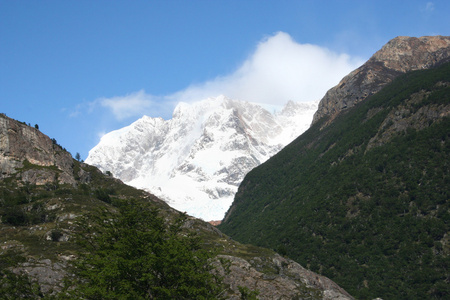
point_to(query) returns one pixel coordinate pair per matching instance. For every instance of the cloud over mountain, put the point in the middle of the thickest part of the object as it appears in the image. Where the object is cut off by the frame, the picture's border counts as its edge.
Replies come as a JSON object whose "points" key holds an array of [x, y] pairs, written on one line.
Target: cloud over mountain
{"points": [[279, 70], [130, 105]]}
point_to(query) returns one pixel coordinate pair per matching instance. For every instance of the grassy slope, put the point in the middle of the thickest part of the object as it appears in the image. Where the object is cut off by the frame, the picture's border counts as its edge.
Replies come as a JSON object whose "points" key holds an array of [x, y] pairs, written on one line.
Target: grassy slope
{"points": [[373, 219]]}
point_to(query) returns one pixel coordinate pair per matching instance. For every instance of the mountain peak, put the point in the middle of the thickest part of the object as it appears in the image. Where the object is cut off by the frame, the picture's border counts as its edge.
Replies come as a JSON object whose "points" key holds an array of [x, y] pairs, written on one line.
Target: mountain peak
{"points": [[196, 160], [411, 53], [401, 54]]}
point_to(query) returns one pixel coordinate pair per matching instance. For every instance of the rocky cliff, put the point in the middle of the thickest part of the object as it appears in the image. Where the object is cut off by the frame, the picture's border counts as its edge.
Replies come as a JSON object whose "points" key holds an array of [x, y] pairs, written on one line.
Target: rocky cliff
{"points": [[398, 56], [288, 280], [22, 146]]}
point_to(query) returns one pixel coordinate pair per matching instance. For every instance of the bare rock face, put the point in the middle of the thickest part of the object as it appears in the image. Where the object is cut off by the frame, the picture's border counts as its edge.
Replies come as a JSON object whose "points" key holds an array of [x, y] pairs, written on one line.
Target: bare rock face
{"points": [[248, 269], [287, 280], [49, 275], [405, 116], [26, 151], [400, 55]]}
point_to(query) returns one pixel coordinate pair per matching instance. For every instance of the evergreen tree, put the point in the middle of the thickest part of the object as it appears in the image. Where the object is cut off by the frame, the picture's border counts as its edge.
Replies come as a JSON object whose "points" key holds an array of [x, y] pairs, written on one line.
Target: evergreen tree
{"points": [[134, 254]]}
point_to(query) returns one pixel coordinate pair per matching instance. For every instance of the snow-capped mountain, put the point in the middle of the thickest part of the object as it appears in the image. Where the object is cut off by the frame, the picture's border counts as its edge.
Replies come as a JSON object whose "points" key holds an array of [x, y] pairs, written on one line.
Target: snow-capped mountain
{"points": [[196, 160]]}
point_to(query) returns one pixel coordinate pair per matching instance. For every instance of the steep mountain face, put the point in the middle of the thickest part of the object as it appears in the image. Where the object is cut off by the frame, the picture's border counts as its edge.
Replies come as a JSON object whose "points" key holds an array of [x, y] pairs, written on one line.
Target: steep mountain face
{"points": [[398, 56], [22, 145], [365, 200], [38, 222], [196, 160]]}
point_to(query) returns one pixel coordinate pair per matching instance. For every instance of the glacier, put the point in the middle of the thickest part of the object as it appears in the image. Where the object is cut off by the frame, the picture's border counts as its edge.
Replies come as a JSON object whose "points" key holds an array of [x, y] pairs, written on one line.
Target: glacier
{"points": [[196, 160]]}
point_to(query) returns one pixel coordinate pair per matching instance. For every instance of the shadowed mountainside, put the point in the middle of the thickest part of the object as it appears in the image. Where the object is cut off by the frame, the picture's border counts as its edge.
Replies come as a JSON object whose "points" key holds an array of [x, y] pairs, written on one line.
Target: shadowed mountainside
{"points": [[364, 200]]}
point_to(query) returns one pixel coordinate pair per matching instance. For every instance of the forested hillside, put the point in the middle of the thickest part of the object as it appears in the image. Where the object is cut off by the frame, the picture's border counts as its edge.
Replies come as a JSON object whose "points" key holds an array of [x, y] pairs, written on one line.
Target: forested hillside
{"points": [[364, 199]]}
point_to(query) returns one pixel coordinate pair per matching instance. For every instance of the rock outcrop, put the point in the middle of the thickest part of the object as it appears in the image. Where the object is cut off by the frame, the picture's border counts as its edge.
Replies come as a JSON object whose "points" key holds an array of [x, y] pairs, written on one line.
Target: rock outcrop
{"points": [[49, 275], [27, 152], [398, 56], [407, 116], [288, 279]]}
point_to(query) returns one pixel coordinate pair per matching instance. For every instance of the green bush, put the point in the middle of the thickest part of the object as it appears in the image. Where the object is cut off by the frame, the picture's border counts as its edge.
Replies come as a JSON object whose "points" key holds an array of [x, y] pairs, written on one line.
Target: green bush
{"points": [[102, 195], [15, 216], [56, 234]]}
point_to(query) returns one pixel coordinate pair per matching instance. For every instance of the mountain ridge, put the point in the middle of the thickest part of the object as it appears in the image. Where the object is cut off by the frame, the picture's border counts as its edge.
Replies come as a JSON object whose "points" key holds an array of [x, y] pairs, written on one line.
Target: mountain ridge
{"points": [[196, 160], [401, 54]]}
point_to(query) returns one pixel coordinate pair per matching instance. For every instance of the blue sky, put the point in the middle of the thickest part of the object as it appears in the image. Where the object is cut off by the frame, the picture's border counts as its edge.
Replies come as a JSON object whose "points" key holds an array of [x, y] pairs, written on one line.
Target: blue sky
{"points": [[80, 69]]}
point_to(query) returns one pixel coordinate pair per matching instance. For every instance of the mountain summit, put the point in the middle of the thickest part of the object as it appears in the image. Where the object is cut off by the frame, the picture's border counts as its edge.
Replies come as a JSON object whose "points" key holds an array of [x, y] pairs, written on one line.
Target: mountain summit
{"points": [[196, 160], [400, 55]]}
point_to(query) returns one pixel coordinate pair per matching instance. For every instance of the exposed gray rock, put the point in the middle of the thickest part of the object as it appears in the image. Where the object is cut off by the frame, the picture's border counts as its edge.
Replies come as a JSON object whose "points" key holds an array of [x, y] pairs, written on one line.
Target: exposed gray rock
{"points": [[49, 275], [398, 56], [26, 151], [407, 116], [286, 279]]}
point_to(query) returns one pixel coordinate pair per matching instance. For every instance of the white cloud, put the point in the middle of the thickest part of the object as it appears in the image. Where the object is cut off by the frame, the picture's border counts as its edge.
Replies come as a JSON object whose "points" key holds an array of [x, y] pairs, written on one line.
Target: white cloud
{"points": [[127, 106], [428, 9], [279, 70], [135, 105]]}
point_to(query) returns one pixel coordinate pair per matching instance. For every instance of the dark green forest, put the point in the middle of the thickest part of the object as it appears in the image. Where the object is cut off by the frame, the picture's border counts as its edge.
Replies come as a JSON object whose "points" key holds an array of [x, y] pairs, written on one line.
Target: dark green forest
{"points": [[363, 200]]}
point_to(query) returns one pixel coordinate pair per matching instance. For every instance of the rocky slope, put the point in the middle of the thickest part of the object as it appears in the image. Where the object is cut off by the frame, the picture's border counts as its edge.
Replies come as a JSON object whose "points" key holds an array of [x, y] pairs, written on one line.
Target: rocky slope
{"points": [[398, 56], [196, 160], [39, 217], [22, 145], [288, 280]]}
